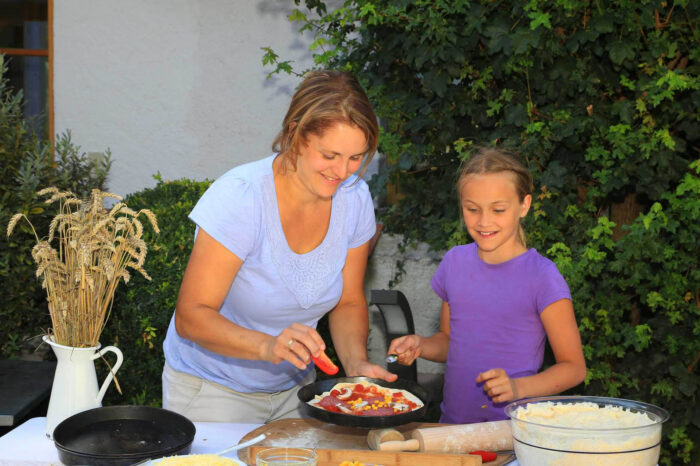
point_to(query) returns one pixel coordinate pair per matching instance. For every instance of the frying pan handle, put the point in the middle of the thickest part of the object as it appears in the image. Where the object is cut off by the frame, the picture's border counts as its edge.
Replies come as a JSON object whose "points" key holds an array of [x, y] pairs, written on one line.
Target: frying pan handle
{"points": [[113, 369]]}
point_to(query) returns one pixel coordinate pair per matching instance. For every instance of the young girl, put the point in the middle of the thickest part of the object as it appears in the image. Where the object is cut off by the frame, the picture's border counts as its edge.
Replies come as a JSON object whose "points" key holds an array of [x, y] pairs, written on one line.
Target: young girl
{"points": [[500, 300]]}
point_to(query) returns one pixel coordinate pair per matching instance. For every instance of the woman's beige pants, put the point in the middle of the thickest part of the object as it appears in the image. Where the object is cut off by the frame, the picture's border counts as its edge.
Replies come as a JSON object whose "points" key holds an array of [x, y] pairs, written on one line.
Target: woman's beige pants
{"points": [[203, 401]]}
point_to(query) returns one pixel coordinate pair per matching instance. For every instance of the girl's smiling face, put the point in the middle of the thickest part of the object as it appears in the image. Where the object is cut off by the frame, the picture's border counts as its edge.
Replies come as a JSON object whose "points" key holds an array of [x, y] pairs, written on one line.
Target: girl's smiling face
{"points": [[492, 212]]}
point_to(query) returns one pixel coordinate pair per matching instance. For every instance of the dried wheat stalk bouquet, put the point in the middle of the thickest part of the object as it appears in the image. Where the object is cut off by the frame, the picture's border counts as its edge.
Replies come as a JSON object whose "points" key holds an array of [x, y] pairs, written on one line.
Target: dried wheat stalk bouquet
{"points": [[94, 248]]}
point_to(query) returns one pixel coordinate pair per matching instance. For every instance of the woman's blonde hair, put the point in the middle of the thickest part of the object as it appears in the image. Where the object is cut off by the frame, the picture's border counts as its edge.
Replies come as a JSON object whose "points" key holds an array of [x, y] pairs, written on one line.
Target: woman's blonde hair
{"points": [[325, 98], [487, 160]]}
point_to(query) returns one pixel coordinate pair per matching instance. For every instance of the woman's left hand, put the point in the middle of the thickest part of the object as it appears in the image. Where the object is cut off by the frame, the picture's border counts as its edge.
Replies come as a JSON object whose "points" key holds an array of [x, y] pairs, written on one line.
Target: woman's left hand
{"points": [[367, 369], [498, 386]]}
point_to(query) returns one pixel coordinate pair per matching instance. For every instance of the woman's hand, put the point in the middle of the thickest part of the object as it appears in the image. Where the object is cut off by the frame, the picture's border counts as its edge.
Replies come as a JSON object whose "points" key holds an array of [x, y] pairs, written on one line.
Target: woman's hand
{"points": [[498, 386], [296, 344], [408, 348], [367, 369]]}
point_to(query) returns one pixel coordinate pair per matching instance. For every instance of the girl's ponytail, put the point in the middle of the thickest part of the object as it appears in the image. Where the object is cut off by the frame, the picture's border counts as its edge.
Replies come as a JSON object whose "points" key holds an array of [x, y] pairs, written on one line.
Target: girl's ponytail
{"points": [[521, 235]]}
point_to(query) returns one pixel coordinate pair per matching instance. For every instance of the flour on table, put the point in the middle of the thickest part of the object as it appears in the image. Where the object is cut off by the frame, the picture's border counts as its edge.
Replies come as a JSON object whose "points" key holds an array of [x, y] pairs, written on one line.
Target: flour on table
{"points": [[304, 439]]}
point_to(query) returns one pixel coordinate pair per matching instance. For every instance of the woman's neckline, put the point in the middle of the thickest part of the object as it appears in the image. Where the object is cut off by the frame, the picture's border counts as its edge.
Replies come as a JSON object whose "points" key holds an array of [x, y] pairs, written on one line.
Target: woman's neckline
{"points": [[278, 216]]}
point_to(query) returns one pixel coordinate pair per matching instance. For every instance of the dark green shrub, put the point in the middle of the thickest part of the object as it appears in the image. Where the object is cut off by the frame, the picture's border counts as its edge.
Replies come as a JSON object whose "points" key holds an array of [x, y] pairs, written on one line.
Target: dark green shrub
{"points": [[142, 309], [603, 101], [28, 164]]}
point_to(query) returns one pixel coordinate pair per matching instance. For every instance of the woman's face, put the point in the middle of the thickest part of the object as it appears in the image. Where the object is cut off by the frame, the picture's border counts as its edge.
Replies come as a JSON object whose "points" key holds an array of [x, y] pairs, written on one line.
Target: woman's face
{"points": [[325, 161], [492, 212]]}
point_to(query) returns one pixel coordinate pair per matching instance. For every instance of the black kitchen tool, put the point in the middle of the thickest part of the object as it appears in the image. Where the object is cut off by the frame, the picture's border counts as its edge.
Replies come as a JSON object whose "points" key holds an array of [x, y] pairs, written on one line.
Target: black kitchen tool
{"points": [[308, 392], [122, 435]]}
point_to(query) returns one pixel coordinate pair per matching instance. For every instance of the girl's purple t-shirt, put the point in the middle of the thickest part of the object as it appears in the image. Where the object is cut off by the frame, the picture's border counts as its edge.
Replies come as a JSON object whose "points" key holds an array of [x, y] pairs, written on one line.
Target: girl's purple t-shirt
{"points": [[494, 323]]}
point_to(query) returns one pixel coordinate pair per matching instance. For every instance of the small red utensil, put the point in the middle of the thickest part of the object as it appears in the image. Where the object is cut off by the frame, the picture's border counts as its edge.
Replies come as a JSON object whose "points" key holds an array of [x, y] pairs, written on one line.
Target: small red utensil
{"points": [[486, 456]]}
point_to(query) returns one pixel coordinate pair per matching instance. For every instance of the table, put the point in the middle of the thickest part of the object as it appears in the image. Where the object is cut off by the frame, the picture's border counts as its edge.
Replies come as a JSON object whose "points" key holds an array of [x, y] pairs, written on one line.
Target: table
{"points": [[27, 445], [25, 384]]}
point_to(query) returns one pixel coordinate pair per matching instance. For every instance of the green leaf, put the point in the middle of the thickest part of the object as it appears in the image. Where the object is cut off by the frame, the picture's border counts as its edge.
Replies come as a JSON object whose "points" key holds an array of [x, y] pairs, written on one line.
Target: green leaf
{"points": [[538, 18], [269, 57], [621, 51], [297, 15]]}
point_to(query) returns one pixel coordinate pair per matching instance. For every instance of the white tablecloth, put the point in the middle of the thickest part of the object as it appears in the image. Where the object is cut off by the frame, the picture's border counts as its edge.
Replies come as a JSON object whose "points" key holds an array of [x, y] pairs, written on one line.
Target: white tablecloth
{"points": [[27, 445]]}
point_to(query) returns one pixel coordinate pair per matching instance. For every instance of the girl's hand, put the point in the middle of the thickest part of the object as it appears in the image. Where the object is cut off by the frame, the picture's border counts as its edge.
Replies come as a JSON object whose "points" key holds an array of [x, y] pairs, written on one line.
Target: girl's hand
{"points": [[407, 348], [367, 369], [295, 344], [498, 386]]}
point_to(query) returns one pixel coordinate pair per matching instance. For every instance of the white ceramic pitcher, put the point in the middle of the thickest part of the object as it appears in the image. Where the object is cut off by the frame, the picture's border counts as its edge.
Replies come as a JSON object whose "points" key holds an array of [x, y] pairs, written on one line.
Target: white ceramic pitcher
{"points": [[75, 381]]}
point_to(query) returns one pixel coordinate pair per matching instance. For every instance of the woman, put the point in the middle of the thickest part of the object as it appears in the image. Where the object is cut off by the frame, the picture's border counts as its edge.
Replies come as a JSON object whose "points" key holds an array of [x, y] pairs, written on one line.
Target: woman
{"points": [[279, 243]]}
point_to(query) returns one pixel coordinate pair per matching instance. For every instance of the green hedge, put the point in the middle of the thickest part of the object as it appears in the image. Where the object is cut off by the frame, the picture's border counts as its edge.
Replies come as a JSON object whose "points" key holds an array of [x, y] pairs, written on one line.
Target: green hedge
{"points": [[142, 309]]}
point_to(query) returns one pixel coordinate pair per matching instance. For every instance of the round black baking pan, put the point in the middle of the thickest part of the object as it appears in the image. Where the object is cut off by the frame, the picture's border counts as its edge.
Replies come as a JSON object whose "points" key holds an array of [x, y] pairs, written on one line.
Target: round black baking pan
{"points": [[308, 392], [122, 435]]}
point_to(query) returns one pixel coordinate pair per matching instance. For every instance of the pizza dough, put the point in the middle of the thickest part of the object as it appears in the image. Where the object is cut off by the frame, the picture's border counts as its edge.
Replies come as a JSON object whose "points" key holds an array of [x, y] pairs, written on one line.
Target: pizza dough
{"points": [[366, 399]]}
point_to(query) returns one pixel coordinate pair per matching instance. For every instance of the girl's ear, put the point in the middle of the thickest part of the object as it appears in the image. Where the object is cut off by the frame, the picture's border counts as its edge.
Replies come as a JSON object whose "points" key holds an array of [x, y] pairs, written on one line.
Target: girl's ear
{"points": [[525, 205]]}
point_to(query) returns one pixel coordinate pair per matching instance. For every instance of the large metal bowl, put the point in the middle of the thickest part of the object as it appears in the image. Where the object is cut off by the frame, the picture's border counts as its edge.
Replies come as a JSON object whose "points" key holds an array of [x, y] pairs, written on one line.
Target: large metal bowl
{"points": [[543, 436]]}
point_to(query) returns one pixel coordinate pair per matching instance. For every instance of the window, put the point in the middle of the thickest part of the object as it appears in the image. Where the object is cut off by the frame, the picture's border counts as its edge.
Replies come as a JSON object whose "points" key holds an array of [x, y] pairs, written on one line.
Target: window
{"points": [[25, 42]]}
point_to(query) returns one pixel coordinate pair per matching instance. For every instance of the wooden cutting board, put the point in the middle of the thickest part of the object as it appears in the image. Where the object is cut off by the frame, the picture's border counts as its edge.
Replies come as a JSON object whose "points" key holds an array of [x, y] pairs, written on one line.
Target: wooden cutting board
{"points": [[383, 458], [336, 444]]}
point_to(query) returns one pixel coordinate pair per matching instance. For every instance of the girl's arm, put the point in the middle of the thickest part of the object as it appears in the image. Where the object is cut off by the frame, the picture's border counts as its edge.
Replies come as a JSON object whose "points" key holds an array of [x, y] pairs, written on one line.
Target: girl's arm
{"points": [[570, 369], [434, 348], [208, 277], [349, 320]]}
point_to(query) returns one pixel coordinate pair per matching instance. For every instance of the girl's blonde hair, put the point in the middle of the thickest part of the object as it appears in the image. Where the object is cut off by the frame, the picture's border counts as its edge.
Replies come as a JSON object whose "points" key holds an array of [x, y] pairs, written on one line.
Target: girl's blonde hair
{"points": [[325, 98], [487, 160]]}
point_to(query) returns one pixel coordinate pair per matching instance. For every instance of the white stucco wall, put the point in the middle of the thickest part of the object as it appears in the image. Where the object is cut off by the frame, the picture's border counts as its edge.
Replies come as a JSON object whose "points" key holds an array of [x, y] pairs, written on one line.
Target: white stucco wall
{"points": [[175, 86]]}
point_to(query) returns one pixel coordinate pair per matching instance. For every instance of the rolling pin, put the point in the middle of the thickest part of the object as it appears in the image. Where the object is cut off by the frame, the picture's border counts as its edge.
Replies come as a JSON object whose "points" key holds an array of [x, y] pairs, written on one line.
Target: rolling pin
{"points": [[462, 438]]}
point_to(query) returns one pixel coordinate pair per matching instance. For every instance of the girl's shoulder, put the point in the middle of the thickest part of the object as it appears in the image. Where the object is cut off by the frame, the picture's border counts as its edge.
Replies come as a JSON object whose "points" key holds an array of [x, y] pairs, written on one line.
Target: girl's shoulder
{"points": [[538, 261]]}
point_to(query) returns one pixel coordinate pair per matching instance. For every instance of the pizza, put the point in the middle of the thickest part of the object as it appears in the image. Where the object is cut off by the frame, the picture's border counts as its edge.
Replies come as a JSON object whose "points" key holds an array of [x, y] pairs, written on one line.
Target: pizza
{"points": [[366, 399]]}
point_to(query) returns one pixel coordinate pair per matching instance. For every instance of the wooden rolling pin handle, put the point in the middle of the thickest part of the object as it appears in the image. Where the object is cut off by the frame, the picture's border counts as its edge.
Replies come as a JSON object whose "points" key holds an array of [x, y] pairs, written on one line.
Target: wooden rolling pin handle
{"points": [[377, 436], [399, 445]]}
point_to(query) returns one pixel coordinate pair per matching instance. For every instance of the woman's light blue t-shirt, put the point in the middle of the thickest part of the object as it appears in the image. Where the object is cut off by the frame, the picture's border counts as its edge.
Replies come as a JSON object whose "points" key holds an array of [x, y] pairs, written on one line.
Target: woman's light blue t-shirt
{"points": [[275, 287]]}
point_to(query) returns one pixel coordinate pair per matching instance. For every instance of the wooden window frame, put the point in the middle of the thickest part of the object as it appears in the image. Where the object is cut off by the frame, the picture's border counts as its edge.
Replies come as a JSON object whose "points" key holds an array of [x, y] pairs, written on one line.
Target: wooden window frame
{"points": [[48, 52]]}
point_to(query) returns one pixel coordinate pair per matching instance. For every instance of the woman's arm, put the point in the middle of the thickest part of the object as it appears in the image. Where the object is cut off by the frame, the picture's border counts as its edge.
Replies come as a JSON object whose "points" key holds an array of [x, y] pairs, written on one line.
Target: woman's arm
{"points": [[349, 320], [208, 277], [570, 369], [433, 348]]}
